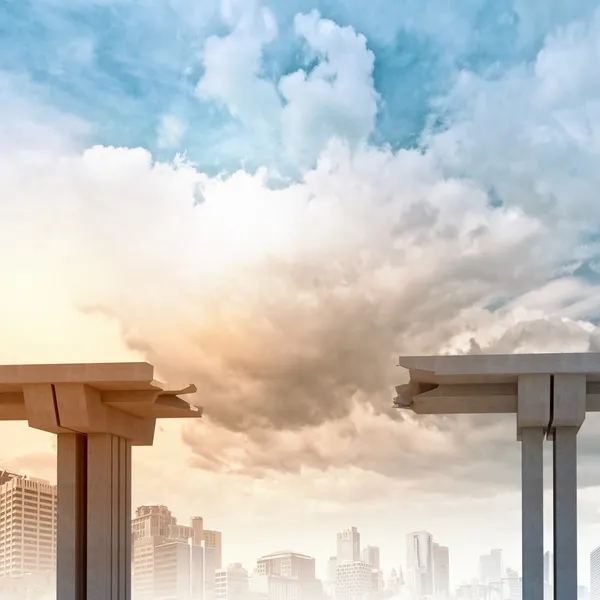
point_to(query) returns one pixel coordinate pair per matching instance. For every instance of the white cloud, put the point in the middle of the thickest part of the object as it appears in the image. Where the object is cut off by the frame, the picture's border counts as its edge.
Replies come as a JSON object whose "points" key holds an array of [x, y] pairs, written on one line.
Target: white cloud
{"points": [[337, 98], [232, 65], [306, 109]]}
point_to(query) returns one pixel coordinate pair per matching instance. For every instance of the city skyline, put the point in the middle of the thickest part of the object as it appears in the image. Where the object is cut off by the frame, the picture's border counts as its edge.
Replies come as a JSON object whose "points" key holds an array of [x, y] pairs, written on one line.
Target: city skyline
{"points": [[273, 200]]}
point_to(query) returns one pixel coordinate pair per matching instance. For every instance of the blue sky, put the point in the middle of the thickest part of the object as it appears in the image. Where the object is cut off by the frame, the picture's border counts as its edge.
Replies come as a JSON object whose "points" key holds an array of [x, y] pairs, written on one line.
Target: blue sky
{"points": [[122, 65]]}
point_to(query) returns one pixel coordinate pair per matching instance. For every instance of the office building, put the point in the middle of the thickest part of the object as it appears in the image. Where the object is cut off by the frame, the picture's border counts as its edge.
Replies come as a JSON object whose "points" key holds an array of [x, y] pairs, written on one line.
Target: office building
{"points": [[172, 570], [491, 567], [286, 576], [514, 585], [419, 554], [28, 521], [370, 555], [354, 580], [168, 558], [232, 583], [595, 574], [441, 571], [348, 546], [213, 560]]}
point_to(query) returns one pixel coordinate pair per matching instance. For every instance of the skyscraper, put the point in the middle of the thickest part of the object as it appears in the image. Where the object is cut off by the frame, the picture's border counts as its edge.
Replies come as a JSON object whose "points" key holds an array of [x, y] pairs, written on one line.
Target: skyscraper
{"points": [[348, 546], [491, 567], [285, 575], [354, 580], [168, 558], [419, 559], [595, 574], [27, 525], [231, 583], [441, 571], [213, 560], [370, 555]]}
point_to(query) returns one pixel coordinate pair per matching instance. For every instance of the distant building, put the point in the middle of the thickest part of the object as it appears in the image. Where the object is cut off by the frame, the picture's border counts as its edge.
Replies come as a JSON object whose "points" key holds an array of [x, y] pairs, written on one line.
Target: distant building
{"points": [[348, 546], [28, 526], [213, 560], [370, 555], [170, 560], [441, 571], [595, 574], [286, 576], [354, 580], [172, 571], [514, 585], [232, 583], [491, 567], [419, 553]]}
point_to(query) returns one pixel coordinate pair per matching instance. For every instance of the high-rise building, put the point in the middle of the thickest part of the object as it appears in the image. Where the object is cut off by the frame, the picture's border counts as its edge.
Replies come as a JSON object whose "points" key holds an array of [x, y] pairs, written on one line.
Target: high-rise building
{"points": [[213, 560], [172, 570], [491, 567], [419, 554], [231, 583], [595, 574], [354, 580], [28, 520], [168, 559], [286, 576], [370, 555], [548, 576], [514, 585], [348, 546], [441, 571]]}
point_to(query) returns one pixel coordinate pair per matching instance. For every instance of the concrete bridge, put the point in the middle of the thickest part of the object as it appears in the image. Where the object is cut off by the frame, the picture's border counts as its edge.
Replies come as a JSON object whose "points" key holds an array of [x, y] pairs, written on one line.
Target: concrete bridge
{"points": [[98, 412], [550, 395]]}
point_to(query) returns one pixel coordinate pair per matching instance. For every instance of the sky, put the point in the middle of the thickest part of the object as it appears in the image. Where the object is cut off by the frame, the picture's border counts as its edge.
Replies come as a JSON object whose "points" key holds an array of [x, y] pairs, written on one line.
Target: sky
{"points": [[273, 201]]}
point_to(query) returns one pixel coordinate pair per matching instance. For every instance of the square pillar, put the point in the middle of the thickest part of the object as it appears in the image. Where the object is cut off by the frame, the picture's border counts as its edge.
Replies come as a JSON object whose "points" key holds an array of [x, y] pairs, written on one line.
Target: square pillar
{"points": [[71, 545], [532, 512], [108, 518], [94, 517], [565, 512], [568, 414], [533, 417]]}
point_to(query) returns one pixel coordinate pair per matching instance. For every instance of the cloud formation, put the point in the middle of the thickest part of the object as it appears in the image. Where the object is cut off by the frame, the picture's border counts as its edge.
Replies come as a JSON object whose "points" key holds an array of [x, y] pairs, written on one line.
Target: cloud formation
{"points": [[288, 304]]}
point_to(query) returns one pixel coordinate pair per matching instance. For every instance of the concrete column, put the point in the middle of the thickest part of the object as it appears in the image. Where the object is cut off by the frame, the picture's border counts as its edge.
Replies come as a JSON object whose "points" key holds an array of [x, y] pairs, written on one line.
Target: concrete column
{"points": [[565, 513], [533, 417], [109, 518], [532, 482], [568, 414], [94, 517], [72, 515]]}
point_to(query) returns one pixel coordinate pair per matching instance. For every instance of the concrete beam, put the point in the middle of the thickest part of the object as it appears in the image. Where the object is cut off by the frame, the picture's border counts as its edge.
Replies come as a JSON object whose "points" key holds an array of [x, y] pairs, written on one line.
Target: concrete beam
{"points": [[81, 409]]}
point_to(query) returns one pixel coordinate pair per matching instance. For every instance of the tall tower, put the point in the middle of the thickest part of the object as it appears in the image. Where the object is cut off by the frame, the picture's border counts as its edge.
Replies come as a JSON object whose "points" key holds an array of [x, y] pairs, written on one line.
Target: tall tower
{"points": [[441, 571], [419, 558], [491, 567], [348, 546], [213, 561], [28, 526]]}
